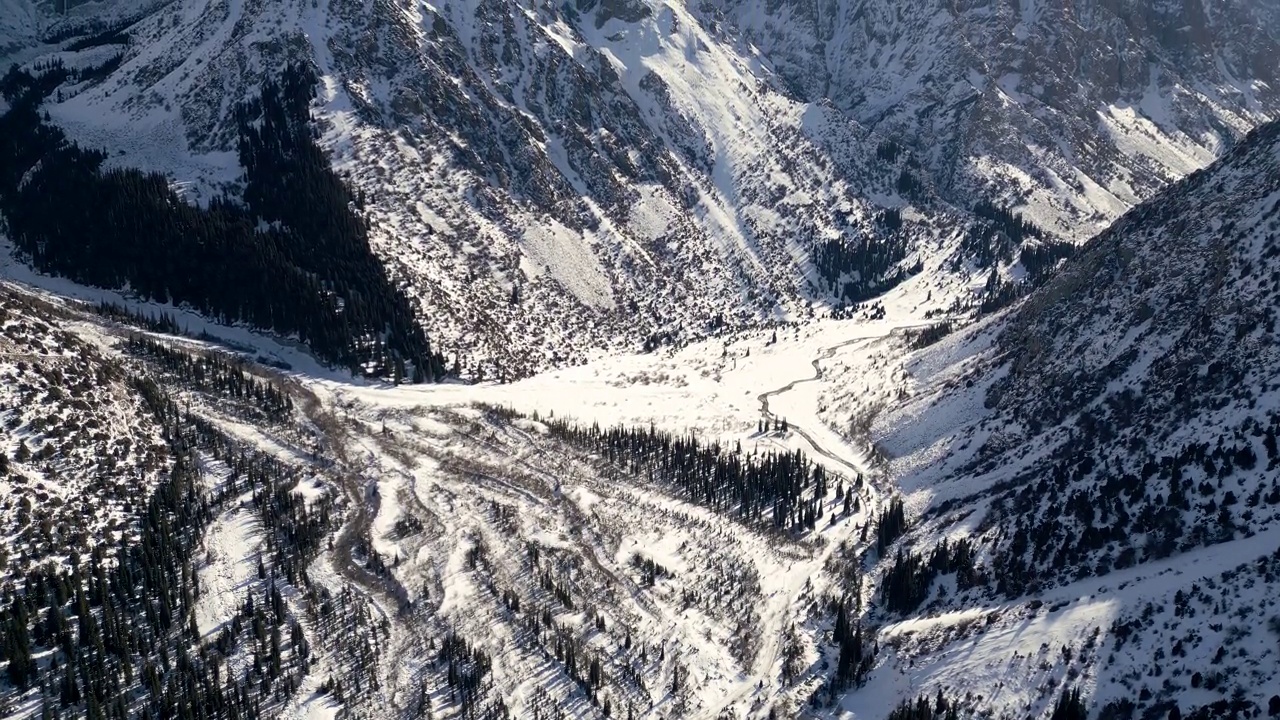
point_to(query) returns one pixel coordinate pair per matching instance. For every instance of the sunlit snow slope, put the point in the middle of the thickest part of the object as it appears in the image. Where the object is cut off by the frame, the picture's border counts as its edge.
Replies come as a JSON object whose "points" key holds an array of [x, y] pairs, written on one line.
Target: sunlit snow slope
{"points": [[1076, 110], [1109, 451]]}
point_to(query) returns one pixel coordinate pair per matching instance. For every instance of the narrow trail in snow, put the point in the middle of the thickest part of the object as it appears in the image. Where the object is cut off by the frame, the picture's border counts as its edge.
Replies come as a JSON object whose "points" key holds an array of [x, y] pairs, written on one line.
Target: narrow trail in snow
{"points": [[781, 606]]}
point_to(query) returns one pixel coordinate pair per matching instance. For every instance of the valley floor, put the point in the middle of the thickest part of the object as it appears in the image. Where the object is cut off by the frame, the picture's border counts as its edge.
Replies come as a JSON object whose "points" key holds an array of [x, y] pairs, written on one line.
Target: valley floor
{"points": [[469, 521], [417, 439]]}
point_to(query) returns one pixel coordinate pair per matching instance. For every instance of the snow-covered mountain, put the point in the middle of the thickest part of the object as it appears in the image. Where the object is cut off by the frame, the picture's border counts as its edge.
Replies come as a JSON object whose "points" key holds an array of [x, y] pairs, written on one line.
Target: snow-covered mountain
{"points": [[709, 496], [1108, 452], [1075, 109], [544, 178], [548, 179], [827, 520]]}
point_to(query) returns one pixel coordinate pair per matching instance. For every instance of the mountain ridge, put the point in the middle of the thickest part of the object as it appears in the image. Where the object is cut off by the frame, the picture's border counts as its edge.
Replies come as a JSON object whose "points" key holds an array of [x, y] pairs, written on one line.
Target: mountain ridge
{"points": [[531, 238], [1019, 84], [1119, 419]]}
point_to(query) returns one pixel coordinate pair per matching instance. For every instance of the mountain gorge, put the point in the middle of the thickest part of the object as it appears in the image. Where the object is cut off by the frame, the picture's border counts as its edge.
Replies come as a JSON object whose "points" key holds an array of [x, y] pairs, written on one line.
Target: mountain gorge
{"points": [[1111, 444]]}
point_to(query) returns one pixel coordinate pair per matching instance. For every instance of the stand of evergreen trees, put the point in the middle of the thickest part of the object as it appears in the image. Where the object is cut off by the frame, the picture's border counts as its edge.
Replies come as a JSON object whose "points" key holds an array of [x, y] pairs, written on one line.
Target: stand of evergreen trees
{"points": [[1070, 544], [862, 268], [467, 667], [856, 658], [293, 258], [109, 36], [891, 523], [160, 323], [114, 635], [909, 580], [778, 490], [564, 642], [923, 709], [91, 31], [122, 644], [995, 238], [215, 375], [1041, 258], [925, 337], [996, 235], [1069, 706]]}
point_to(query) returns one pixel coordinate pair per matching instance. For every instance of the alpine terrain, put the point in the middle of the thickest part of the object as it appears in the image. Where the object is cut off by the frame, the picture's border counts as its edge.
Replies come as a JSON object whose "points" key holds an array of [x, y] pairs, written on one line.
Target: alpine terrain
{"points": [[708, 359]]}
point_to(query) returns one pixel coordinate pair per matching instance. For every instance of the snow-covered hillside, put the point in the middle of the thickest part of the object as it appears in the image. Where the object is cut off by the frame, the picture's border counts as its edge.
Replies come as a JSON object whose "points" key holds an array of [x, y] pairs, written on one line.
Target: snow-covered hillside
{"points": [[827, 519], [548, 181], [78, 447], [1075, 110], [1108, 450], [763, 427], [544, 180]]}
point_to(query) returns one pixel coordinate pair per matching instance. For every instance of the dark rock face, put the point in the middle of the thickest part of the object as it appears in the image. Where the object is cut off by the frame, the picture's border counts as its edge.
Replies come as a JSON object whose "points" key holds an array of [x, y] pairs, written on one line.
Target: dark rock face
{"points": [[624, 10]]}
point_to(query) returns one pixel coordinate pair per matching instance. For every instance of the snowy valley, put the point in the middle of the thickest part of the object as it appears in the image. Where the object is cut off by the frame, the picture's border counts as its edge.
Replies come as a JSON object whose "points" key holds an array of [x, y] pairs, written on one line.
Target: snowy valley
{"points": [[639, 359]]}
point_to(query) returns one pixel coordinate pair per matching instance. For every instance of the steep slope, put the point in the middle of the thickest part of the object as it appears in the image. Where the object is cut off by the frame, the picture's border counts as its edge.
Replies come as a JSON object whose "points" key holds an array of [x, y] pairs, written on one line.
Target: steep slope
{"points": [[78, 446], [1113, 442], [1076, 110], [547, 181], [160, 513], [292, 257], [543, 179]]}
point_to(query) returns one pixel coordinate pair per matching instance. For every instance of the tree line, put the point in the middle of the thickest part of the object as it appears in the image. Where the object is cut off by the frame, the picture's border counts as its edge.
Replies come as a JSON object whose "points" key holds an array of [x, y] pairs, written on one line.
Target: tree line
{"points": [[774, 489], [909, 580], [292, 258]]}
